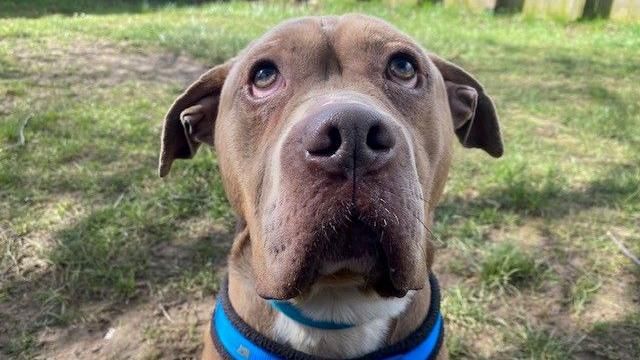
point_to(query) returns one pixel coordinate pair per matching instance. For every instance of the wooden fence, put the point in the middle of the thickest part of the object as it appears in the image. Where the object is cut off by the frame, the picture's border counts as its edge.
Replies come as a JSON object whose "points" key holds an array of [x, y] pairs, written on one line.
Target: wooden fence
{"points": [[567, 9]]}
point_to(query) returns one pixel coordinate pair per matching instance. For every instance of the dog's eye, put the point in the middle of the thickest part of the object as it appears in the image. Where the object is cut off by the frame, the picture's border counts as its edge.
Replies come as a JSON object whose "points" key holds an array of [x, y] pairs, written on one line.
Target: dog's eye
{"points": [[265, 75], [401, 69]]}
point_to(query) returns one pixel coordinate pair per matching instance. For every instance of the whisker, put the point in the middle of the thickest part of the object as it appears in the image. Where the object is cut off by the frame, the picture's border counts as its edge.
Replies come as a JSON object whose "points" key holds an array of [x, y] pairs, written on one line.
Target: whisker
{"points": [[437, 241], [434, 238]]}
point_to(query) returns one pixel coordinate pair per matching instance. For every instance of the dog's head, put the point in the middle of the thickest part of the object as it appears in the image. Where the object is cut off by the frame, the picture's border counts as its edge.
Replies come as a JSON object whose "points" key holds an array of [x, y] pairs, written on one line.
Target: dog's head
{"points": [[333, 136]]}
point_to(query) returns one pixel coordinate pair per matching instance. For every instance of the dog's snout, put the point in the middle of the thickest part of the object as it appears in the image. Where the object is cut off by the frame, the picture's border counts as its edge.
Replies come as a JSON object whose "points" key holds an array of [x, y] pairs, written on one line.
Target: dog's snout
{"points": [[344, 138]]}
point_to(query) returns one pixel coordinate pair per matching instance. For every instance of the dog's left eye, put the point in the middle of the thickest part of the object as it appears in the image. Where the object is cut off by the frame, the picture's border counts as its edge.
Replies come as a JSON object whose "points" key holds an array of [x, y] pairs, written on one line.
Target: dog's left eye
{"points": [[401, 70]]}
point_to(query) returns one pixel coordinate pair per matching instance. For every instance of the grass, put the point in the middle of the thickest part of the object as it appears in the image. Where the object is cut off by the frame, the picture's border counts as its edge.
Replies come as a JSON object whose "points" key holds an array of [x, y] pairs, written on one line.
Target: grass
{"points": [[90, 238], [38, 8], [537, 344], [507, 267], [583, 291]]}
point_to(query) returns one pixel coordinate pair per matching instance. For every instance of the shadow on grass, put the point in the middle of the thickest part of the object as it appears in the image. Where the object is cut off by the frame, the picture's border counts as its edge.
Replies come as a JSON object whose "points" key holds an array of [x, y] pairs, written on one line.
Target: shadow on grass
{"points": [[617, 188], [547, 198], [609, 339], [172, 236], [615, 339], [38, 8], [606, 340], [575, 90]]}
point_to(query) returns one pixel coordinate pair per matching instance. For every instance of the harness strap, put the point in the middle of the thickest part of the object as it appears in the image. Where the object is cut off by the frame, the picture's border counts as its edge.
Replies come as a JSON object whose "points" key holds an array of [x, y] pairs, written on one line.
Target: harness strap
{"points": [[293, 313]]}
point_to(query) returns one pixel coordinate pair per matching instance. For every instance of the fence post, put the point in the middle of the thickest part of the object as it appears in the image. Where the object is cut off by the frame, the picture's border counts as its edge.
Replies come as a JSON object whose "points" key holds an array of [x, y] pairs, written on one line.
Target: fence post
{"points": [[567, 9], [509, 6], [597, 9]]}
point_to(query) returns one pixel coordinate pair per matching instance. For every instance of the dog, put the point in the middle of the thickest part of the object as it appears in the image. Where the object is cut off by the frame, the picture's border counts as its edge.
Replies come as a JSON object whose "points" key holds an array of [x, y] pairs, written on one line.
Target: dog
{"points": [[334, 139]]}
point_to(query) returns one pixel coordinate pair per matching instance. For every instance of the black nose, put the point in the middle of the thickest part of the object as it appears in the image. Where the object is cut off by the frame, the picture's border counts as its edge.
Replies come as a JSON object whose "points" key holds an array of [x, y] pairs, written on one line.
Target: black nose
{"points": [[349, 138]]}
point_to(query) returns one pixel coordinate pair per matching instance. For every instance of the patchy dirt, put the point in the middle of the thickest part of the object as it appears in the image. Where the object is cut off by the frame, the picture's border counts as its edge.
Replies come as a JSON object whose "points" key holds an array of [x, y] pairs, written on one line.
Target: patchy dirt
{"points": [[87, 65], [24, 250], [102, 63], [146, 330], [162, 321], [154, 324]]}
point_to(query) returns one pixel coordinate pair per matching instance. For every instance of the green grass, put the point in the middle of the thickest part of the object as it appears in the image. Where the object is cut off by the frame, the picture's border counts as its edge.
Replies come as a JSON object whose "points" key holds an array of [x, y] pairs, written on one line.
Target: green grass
{"points": [[507, 267], [583, 291], [89, 233], [536, 344]]}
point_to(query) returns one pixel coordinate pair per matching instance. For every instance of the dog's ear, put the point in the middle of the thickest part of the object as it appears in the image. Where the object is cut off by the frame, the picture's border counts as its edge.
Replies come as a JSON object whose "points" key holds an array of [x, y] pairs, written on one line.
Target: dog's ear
{"points": [[474, 116], [190, 120]]}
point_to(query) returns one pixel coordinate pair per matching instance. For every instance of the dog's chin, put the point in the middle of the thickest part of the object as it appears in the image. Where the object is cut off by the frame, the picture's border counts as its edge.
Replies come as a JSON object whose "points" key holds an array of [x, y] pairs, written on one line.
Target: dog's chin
{"points": [[340, 279], [351, 249], [377, 280], [347, 279], [367, 274]]}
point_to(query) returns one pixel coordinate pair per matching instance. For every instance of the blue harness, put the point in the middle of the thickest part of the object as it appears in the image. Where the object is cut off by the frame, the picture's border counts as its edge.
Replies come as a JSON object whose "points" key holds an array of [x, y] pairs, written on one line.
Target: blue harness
{"points": [[236, 340]]}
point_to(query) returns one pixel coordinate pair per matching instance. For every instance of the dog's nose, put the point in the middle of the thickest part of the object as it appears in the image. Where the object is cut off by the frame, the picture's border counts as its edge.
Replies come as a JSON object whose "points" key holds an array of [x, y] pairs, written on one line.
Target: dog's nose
{"points": [[349, 138]]}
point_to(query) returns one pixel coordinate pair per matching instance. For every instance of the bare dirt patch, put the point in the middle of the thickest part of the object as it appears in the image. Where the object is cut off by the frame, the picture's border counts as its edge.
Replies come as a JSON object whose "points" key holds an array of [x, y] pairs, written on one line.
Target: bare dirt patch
{"points": [[151, 329], [82, 66], [102, 63]]}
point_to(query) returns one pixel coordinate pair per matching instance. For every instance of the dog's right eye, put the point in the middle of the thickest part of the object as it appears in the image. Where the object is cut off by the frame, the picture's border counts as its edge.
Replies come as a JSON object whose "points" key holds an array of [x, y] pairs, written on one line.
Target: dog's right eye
{"points": [[265, 75], [265, 79]]}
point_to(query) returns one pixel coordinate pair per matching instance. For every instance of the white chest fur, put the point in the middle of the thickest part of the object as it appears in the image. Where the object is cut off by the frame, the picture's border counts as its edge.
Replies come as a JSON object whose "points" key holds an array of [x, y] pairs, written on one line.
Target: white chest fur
{"points": [[370, 313]]}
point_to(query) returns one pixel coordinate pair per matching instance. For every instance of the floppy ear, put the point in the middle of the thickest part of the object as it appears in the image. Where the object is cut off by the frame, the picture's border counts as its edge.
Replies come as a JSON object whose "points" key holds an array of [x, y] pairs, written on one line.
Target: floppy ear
{"points": [[474, 116], [190, 120]]}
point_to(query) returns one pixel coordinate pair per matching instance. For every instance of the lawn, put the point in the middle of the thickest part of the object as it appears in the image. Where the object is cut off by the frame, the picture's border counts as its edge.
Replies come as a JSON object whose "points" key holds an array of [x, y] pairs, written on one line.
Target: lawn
{"points": [[100, 258]]}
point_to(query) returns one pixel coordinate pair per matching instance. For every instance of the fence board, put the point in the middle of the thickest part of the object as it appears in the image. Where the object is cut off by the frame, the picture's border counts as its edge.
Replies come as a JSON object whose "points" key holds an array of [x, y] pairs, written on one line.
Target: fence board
{"points": [[567, 9], [480, 5], [625, 10]]}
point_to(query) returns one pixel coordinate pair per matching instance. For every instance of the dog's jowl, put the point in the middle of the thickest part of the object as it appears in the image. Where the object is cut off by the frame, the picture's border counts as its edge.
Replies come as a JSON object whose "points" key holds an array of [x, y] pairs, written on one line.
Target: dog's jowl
{"points": [[334, 138]]}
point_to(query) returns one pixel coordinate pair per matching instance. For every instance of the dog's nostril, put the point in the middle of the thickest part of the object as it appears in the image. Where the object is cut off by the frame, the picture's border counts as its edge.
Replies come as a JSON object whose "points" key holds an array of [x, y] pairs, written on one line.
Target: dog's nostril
{"points": [[329, 145], [379, 138]]}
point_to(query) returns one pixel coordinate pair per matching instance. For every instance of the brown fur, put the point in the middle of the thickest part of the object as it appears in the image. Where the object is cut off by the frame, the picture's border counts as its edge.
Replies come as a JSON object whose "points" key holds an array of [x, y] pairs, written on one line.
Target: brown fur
{"points": [[281, 205]]}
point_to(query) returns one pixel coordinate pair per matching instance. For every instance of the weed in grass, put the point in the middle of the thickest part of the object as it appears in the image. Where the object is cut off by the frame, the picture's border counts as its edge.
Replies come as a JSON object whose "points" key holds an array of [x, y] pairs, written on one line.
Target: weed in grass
{"points": [[527, 191], [622, 187], [471, 232], [505, 266], [56, 309], [465, 306], [460, 266], [21, 345], [463, 236], [583, 290], [489, 216], [457, 347], [541, 344]]}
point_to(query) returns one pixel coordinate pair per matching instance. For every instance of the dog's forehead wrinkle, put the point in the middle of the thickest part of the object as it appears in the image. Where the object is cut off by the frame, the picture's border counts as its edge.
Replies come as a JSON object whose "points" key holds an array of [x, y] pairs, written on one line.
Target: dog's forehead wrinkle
{"points": [[331, 60], [328, 22]]}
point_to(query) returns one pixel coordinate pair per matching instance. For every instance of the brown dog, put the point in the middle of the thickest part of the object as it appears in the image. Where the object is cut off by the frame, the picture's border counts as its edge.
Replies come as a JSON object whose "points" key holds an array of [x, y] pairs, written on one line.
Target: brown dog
{"points": [[333, 136]]}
